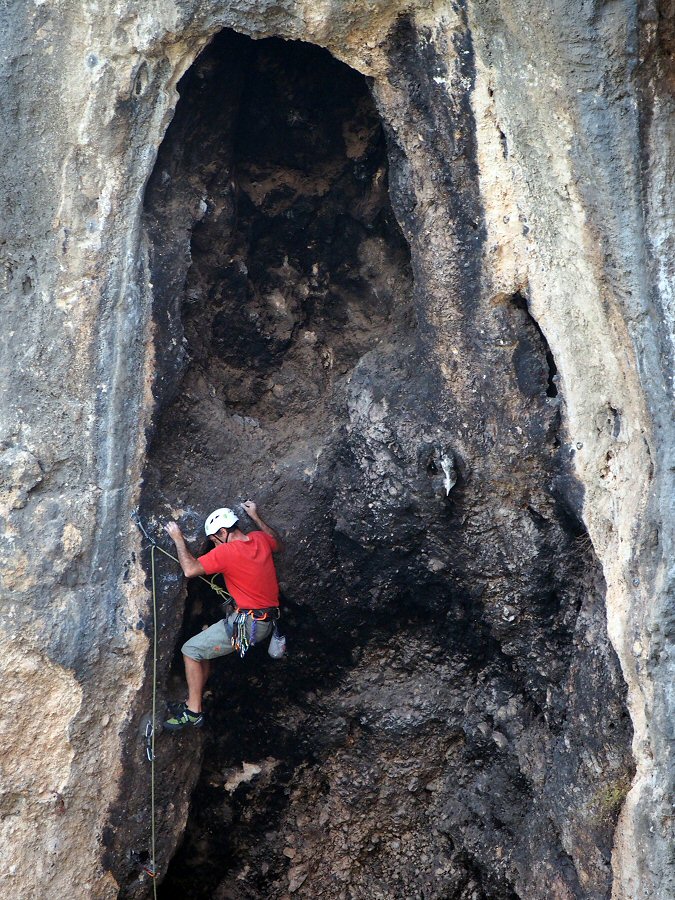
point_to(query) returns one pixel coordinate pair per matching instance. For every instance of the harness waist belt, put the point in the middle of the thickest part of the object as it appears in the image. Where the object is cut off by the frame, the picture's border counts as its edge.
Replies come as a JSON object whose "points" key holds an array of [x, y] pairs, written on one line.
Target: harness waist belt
{"points": [[268, 612]]}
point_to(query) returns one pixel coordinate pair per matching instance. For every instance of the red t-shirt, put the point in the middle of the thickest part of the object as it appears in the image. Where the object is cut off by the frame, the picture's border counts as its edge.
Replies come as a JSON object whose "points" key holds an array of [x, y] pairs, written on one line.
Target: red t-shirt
{"points": [[248, 569]]}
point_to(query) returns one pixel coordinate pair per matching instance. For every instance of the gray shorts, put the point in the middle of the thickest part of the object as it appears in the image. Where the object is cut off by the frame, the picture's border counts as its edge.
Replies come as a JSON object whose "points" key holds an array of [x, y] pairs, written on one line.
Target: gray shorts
{"points": [[217, 640]]}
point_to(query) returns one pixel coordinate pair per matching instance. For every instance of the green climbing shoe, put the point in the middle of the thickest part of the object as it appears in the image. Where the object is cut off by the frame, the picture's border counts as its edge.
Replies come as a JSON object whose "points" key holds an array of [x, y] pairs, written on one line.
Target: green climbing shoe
{"points": [[184, 718]]}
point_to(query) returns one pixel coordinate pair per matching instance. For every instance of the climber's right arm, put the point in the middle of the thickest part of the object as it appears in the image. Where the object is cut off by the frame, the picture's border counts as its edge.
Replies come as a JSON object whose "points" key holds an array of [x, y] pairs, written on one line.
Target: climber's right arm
{"points": [[190, 566]]}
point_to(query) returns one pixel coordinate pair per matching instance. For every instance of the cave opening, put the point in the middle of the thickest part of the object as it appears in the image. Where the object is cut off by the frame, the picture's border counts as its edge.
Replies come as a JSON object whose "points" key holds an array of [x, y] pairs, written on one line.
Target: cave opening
{"points": [[277, 263], [436, 586], [283, 304]]}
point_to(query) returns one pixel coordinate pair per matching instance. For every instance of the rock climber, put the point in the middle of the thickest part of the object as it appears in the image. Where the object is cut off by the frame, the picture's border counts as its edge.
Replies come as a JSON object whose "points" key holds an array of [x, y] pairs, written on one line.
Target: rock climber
{"points": [[245, 561]]}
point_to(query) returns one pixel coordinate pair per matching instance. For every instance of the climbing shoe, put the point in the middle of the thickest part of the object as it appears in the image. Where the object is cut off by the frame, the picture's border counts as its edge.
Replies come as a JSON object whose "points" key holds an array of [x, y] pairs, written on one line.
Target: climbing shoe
{"points": [[184, 718]]}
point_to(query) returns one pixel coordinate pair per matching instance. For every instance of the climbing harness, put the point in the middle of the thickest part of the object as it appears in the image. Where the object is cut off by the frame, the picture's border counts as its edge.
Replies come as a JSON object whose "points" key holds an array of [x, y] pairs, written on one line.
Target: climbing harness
{"points": [[244, 626]]}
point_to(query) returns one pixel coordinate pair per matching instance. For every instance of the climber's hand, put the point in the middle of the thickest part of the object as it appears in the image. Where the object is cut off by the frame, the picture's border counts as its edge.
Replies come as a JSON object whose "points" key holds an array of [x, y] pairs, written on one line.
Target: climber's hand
{"points": [[250, 508], [173, 531]]}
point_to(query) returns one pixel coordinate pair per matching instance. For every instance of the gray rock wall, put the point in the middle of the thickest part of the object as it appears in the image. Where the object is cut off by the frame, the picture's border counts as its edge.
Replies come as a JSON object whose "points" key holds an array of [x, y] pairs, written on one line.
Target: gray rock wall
{"points": [[552, 137]]}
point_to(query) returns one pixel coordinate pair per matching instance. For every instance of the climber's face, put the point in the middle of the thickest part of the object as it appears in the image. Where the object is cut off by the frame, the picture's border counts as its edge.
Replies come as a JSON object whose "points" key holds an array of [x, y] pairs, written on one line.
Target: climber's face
{"points": [[220, 537]]}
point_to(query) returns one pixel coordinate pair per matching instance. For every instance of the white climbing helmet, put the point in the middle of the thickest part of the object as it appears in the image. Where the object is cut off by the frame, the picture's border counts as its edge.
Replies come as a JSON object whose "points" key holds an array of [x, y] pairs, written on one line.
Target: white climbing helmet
{"points": [[219, 518]]}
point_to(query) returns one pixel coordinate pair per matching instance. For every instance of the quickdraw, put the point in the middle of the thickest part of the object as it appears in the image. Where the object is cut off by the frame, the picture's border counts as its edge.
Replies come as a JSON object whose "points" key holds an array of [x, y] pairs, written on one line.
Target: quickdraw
{"points": [[243, 637], [149, 741], [150, 869], [240, 638]]}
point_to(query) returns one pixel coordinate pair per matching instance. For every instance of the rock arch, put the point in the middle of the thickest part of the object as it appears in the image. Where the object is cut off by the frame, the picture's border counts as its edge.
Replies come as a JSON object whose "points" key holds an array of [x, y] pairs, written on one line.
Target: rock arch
{"points": [[482, 229]]}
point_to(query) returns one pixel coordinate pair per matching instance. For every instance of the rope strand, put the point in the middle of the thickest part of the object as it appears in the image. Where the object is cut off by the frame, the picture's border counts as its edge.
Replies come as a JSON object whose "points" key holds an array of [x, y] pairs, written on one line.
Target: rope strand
{"points": [[154, 707], [224, 595]]}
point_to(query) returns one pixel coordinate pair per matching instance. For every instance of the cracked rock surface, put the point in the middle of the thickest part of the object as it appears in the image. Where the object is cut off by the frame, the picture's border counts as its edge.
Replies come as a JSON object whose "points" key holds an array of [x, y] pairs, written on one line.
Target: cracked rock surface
{"points": [[402, 272], [444, 606]]}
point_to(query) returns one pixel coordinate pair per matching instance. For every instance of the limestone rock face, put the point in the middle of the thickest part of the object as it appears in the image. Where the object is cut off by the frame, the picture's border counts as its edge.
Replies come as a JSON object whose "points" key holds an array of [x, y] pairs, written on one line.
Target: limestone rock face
{"points": [[403, 273]]}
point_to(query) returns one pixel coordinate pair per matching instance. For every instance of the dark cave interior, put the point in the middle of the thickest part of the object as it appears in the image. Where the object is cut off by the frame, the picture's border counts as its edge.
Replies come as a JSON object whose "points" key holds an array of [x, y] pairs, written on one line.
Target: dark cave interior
{"points": [[427, 714]]}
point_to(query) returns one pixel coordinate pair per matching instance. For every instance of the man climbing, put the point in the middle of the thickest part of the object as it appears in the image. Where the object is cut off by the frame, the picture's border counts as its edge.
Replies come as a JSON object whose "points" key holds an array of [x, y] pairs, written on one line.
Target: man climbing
{"points": [[245, 561]]}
